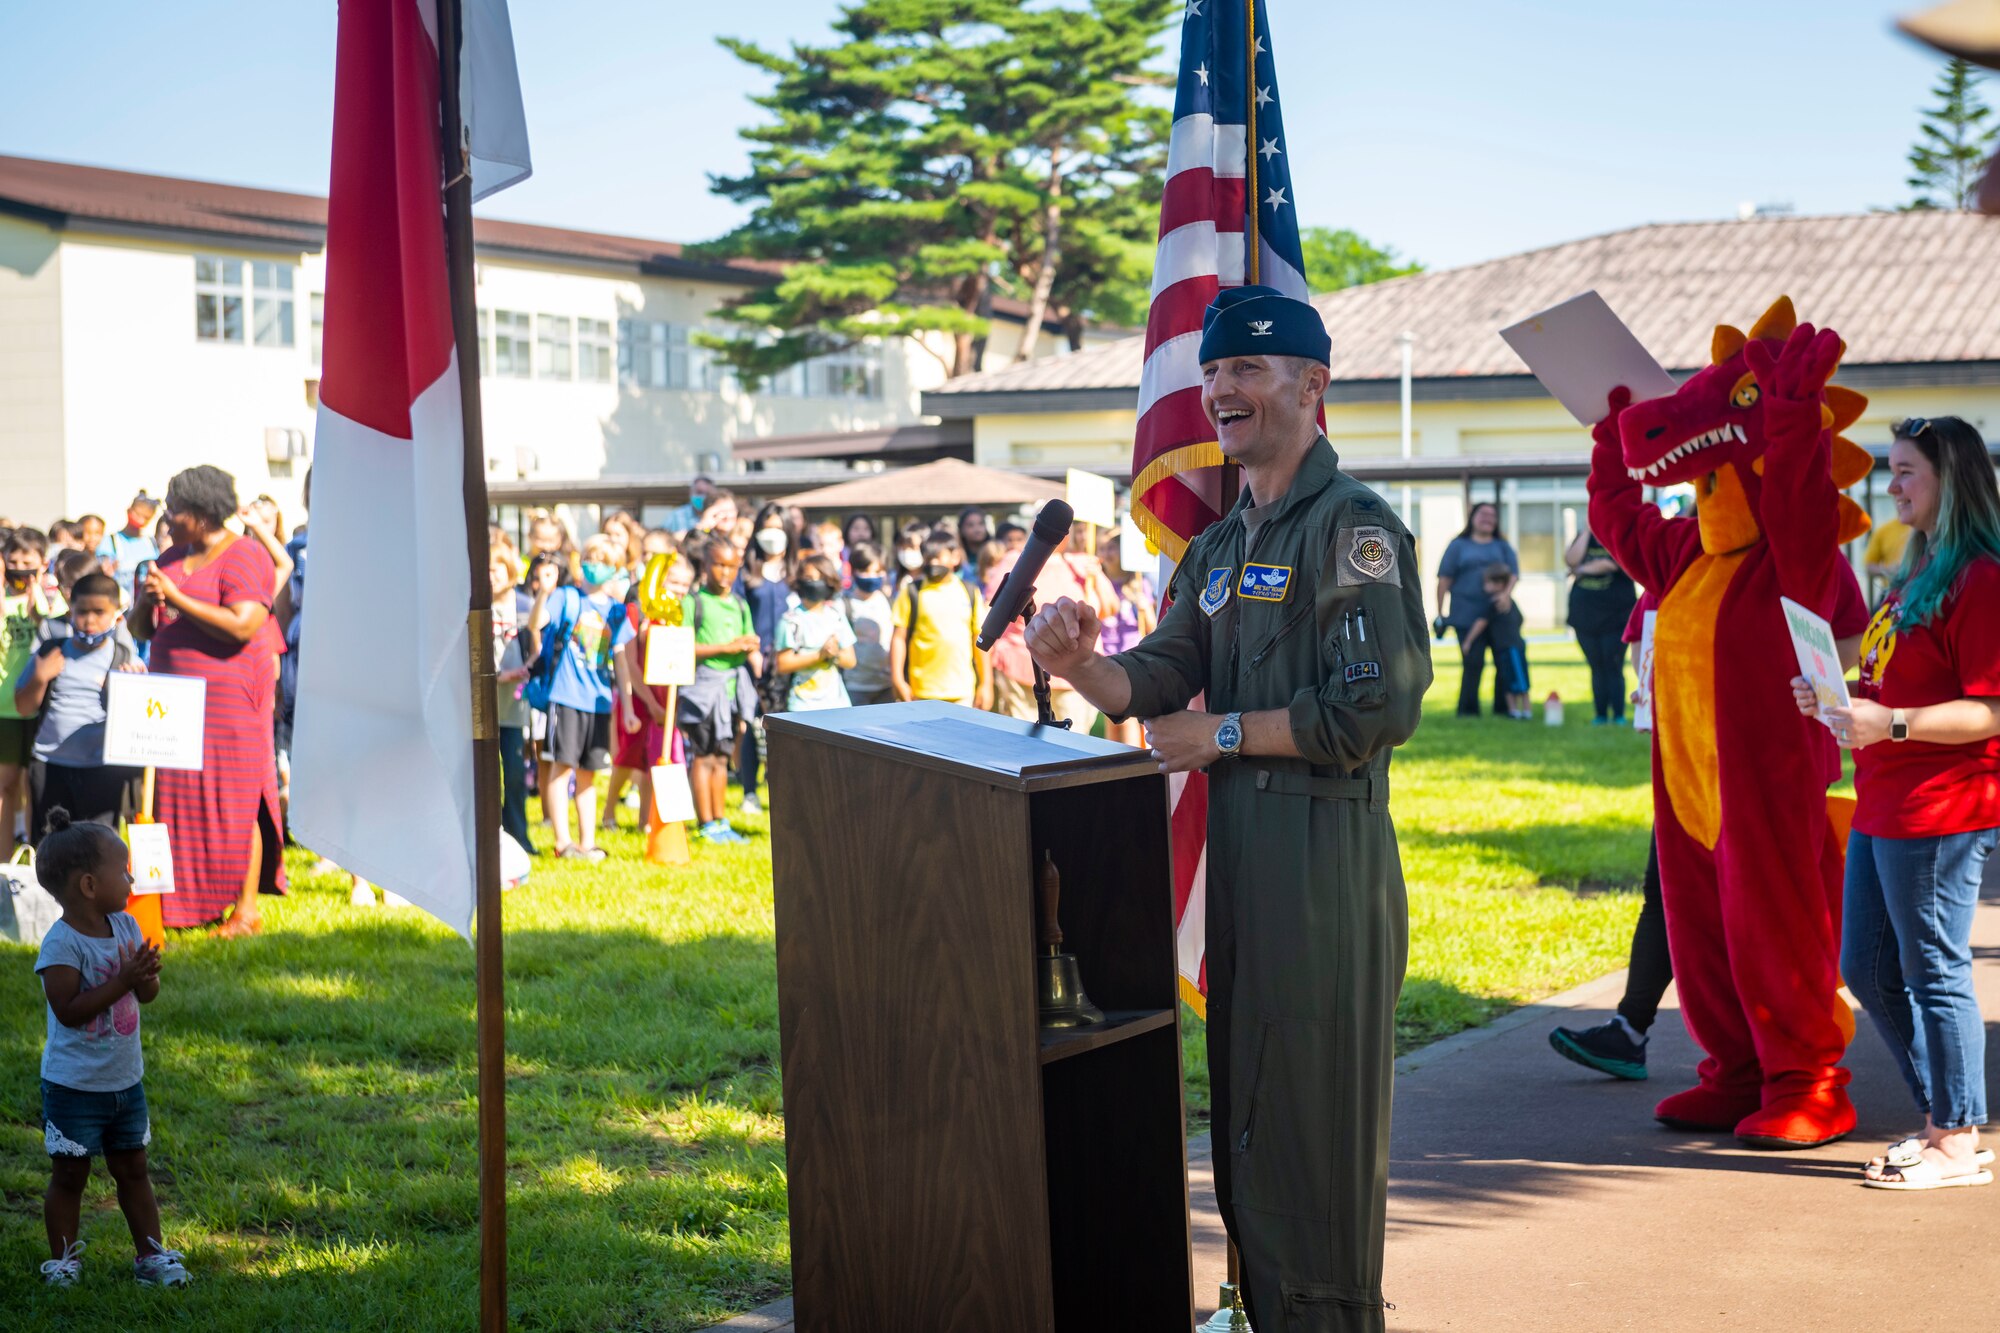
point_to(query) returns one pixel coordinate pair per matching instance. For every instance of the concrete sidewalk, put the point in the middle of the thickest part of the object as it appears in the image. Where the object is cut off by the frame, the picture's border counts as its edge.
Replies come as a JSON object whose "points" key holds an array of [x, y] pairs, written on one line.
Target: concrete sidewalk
{"points": [[1528, 1195]]}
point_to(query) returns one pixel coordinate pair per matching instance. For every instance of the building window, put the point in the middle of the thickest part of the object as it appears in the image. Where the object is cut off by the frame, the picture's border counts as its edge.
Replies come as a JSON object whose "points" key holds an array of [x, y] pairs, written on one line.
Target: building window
{"points": [[218, 299], [552, 342], [593, 350], [854, 373], [652, 354], [513, 344], [485, 343], [271, 303], [318, 304]]}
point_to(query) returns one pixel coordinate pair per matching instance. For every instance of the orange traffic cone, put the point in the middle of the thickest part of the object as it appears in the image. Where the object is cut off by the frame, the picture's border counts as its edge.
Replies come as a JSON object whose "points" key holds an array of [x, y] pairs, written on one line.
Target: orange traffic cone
{"points": [[145, 907], [666, 844]]}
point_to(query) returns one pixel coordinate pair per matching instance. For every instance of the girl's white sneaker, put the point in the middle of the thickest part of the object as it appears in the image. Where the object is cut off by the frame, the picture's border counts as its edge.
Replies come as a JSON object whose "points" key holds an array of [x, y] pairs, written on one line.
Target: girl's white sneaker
{"points": [[66, 1271], [161, 1268]]}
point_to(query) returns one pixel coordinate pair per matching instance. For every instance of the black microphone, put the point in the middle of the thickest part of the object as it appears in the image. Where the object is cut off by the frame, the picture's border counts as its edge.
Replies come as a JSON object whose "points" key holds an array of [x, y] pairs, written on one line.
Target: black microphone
{"points": [[1051, 528]]}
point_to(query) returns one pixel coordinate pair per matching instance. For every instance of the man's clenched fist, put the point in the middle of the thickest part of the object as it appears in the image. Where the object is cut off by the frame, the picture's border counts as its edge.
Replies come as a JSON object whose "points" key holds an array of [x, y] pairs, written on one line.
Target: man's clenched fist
{"points": [[1063, 635]]}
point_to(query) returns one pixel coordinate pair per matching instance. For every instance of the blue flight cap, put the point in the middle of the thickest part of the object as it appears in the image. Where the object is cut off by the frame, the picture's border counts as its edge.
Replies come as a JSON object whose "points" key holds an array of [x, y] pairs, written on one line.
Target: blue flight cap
{"points": [[1262, 321]]}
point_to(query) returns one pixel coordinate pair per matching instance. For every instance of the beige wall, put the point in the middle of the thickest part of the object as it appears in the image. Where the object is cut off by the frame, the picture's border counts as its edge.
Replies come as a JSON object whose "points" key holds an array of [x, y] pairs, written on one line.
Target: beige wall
{"points": [[1443, 430], [143, 398], [31, 372]]}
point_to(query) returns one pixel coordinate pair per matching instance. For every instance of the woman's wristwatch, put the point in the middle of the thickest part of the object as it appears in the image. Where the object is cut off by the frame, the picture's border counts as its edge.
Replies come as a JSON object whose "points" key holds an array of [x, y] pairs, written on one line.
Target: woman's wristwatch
{"points": [[1899, 725]]}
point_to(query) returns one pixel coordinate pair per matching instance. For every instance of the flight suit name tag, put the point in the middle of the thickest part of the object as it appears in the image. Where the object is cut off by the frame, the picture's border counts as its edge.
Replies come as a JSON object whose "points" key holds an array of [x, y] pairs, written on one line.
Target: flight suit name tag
{"points": [[1265, 583], [1216, 592], [1367, 555]]}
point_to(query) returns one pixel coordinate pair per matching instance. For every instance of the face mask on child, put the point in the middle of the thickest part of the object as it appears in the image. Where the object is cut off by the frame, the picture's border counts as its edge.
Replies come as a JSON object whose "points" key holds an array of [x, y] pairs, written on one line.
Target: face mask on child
{"points": [[771, 541], [597, 573], [867, 584], [90, 643], [910, 560], [814, 591]]}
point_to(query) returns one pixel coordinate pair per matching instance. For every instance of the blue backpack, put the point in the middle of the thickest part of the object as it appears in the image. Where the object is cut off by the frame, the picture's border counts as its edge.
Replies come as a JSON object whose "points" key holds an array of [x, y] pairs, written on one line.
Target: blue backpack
{"points": [[565, 609]]}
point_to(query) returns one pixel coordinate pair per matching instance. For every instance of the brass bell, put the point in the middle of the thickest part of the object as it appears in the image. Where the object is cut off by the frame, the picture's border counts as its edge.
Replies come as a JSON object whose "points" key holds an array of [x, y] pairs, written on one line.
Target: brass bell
{"points": [[1060, 1001]]}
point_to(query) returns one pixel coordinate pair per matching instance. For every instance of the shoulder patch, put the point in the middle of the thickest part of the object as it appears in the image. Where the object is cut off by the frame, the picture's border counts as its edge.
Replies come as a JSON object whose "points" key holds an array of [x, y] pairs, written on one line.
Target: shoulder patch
{"points": [[1215, 591], [1365, 554]]}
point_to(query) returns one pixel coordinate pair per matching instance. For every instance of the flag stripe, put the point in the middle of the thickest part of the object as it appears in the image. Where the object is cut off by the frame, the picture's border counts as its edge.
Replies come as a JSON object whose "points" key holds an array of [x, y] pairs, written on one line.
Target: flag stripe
{"points": [[1205, 217]]}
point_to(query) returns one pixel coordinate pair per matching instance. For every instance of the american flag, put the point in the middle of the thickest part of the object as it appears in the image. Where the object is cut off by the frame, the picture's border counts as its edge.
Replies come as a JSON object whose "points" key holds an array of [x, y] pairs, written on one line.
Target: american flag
{"points": [[1228, 200]]}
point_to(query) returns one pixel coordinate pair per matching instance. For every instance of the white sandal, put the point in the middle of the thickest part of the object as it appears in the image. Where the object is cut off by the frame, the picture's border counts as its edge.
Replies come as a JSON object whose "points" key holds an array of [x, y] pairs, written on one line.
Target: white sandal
{"points": [[1914, 1171], [1914, 1145]]}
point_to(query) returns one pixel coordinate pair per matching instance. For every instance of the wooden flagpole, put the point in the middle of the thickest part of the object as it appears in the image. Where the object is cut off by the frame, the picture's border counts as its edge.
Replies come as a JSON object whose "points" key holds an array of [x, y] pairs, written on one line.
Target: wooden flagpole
{"points": [[491, 1030]]}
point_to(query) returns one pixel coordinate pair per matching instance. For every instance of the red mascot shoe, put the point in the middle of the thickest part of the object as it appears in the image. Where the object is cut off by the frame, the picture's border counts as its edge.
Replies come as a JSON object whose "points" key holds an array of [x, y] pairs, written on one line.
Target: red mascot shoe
{"points": [[1703, 1109], [1801, 1120]]}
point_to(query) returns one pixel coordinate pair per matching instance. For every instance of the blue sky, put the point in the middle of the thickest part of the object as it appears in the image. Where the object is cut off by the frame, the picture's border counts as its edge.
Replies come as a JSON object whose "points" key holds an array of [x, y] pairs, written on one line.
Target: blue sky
{"points": [[1455, 131]]}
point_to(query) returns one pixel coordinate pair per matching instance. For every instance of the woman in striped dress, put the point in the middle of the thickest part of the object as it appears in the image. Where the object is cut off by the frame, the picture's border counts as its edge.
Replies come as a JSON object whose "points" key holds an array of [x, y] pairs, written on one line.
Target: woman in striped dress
{"points": [[206, 606]]}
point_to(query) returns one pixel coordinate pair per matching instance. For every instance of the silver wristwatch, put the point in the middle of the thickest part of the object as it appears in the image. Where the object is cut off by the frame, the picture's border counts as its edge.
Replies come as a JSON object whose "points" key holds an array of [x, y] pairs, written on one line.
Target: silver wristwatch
{"points": [[1229, 736]]}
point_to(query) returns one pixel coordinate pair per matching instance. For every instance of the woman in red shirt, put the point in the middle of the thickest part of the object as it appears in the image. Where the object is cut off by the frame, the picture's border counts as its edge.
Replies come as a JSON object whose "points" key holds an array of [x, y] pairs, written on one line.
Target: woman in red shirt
{"points": [[1925, 729]]}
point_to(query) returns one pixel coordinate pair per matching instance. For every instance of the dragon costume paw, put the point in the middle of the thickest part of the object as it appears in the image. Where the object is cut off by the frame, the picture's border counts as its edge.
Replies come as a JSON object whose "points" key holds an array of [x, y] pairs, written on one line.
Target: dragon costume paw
{"points": [[1704, 1109], [1802, 1120]]}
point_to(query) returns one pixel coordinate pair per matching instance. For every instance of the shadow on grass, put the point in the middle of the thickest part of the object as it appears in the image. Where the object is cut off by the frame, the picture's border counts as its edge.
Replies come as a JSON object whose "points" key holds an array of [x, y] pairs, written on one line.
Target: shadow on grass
{"points": [[1585, 859], [314, 1099]]}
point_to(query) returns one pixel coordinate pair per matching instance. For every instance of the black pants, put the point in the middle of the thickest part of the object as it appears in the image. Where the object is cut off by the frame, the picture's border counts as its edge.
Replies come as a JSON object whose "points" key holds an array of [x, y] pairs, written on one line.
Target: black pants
{"points": [[1651, 968], [514, 786], [1475, 668], [1605, 651], [104, 794]]}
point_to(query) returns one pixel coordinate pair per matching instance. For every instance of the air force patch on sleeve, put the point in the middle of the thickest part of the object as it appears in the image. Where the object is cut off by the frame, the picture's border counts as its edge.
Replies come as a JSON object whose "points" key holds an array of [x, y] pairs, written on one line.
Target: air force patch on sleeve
{"points": [[1367, 555], [1216, 591]]}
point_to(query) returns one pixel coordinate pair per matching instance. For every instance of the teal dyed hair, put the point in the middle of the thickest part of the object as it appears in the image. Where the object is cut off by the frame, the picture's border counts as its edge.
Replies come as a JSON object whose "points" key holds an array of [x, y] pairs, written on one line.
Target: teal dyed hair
{"points": [[1968, 521]]}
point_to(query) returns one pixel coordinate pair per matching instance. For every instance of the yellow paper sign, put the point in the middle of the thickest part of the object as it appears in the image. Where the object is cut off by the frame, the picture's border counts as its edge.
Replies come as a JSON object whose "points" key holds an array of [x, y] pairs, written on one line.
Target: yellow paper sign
{"points": [[152, 858]]}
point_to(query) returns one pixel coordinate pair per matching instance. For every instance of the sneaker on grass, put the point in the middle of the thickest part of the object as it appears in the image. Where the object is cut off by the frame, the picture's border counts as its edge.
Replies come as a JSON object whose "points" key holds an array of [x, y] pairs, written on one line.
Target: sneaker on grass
{"points": [[1608, 1048], [720, 831], [578, 852], [161, 1268], [66, 1271], [751, 805]]}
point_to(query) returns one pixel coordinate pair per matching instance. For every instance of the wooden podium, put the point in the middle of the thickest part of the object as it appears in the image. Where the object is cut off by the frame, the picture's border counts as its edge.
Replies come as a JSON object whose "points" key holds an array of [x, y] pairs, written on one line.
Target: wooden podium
{"points": [[952, 1165]]}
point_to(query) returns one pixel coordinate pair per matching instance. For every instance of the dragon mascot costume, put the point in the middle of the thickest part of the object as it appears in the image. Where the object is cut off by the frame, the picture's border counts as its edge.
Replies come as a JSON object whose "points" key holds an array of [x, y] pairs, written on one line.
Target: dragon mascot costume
{"points": [[1750, 846]]}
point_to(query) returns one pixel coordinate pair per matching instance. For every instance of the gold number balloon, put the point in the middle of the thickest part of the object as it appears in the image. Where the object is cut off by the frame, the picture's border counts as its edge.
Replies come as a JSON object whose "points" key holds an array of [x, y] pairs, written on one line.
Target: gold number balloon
{"points": [[660, 606]]}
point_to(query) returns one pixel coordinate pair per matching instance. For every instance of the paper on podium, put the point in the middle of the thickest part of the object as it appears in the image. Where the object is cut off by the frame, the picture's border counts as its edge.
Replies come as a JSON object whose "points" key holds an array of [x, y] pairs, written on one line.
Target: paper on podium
{"points": [[1580, 352], [1818, 654]]}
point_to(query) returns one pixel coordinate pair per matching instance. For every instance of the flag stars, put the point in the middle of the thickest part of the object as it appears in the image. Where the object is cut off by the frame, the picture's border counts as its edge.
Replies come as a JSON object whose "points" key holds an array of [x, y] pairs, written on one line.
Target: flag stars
{"points": [[1269, 150], [1201, 72], [1264, 97], [1275, 200], [1260, 46], [1193, 10]]}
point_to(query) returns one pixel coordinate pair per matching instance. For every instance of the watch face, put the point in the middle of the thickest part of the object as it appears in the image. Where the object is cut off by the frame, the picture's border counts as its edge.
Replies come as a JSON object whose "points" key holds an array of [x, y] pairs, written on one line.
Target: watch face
{"points": [[1228, 736]]}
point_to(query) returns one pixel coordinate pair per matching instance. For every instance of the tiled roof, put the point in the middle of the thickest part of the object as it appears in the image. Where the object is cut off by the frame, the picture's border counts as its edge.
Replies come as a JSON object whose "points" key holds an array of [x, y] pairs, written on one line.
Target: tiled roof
{"points": [[1901, 288], [63, 192]]}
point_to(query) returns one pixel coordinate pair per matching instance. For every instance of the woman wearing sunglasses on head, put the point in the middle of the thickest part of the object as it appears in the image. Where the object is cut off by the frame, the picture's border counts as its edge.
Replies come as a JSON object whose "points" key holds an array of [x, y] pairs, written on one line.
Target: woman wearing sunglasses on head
{"points": [[1925, 730]]}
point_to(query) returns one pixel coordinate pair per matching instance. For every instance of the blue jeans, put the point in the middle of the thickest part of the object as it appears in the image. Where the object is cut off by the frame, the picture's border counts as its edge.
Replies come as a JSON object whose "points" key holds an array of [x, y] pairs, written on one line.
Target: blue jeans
{"points": [[514, 786], [1906, 953]]}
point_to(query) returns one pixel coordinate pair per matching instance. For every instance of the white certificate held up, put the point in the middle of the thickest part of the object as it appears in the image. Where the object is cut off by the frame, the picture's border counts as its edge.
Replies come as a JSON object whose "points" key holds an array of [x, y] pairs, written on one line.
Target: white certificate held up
{"points": [[154, 721], [1642, 698], [1818, 654], [1580, 352]]}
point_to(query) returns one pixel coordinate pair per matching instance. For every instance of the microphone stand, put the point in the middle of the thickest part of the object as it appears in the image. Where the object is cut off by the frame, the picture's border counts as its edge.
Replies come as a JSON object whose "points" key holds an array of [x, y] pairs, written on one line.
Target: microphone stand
{"points": [[1045, 713]]}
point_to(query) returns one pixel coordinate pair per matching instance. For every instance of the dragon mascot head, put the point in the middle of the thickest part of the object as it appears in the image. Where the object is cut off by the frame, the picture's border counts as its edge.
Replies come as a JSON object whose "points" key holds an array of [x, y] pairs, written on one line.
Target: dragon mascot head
{"points": [[1712, 431]]}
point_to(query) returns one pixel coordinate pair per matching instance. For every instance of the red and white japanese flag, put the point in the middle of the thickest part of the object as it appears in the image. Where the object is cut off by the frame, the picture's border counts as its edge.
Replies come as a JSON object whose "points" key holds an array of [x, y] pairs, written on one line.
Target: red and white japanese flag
{"points": [[382, 740]]}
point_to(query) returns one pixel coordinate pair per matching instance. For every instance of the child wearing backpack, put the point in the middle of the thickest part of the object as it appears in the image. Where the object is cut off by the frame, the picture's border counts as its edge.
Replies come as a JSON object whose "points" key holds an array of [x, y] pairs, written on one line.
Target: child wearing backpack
{"points": [[65, 685], [96, 970], [579, 663], [723, 699]]}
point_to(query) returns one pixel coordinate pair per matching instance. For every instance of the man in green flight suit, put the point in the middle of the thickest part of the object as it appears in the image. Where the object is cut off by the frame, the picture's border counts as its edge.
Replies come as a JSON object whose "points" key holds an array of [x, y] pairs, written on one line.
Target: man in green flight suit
{"points": [[1299, 616]]}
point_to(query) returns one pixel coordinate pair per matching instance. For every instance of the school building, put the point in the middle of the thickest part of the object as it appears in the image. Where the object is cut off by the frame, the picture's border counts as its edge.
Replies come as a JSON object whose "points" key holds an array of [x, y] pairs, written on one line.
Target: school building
{"points": [[149, 323], [1915, 295]]}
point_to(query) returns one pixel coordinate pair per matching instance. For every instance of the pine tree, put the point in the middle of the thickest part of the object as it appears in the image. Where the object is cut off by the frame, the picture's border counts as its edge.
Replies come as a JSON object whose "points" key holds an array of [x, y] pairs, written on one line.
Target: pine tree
{"points": [[1342, 258], [1953, 144], [936, 153]]}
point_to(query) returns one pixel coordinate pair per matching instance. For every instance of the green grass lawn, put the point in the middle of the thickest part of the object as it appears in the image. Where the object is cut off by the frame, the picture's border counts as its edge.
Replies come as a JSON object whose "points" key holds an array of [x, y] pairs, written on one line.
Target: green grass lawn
{"points": [[312, 1089]]}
